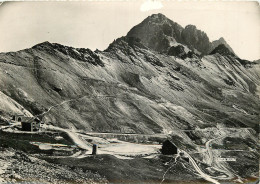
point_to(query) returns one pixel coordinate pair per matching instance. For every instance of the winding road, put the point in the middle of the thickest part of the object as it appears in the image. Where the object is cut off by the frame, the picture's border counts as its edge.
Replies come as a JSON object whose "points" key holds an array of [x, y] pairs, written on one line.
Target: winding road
{"points": [[81, 143], [201, 173], [73, 135], [220, 166]]}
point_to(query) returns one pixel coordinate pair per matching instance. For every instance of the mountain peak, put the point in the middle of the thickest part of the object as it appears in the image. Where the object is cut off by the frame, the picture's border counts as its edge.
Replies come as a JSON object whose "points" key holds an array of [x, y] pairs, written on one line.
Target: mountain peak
{"points": [[159, 15], [157, 32], [123, 42], [190, 26], [220, 41], [223, 50], [43, 45], [160, 33], [157, 19]]}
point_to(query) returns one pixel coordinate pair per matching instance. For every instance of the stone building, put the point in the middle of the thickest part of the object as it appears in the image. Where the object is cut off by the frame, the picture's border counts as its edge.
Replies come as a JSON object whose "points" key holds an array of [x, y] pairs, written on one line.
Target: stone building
{"points": [[30, 124], [169, 148]]}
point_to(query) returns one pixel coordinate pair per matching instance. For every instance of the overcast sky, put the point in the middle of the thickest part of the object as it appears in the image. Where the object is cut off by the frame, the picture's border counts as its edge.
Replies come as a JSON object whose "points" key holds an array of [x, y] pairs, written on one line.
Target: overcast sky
{"points": [[96, 24]]}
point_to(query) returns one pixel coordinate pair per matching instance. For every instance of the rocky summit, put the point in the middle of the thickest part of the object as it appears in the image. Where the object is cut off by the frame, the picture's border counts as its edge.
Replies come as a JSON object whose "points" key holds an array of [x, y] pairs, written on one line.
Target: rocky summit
{"points": [[160, 33]]}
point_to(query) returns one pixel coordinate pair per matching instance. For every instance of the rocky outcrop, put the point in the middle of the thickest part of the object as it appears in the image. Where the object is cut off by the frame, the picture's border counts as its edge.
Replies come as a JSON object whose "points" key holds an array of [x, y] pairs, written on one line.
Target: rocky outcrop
{"points": [[131, 47], [81, 54], [218, 42], [196, 39], [179, 51], [222, 50], [29, 169]]}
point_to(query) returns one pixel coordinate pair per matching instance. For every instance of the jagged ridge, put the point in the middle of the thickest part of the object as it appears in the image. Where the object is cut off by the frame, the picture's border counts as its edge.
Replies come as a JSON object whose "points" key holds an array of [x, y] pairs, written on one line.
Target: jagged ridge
{"points": [[81, 54]]}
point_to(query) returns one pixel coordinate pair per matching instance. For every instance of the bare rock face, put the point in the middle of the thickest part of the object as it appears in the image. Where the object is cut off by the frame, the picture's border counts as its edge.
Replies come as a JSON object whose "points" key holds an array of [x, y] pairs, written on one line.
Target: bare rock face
{"points": [[179, 51], [220, 41], [223, 50], [157, 32], [196, 39], [160, 33], [81, 54]]}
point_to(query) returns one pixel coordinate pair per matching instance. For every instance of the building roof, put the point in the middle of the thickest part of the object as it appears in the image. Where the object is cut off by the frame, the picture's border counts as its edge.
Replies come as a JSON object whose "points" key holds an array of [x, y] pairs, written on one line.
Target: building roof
{"points": [[29, 119], [18, 115], [169, 141]]}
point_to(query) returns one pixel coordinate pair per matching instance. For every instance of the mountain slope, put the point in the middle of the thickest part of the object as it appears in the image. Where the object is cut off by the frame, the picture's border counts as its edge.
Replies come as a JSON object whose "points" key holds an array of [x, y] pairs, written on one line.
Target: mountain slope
{"points": [[130, 87]]}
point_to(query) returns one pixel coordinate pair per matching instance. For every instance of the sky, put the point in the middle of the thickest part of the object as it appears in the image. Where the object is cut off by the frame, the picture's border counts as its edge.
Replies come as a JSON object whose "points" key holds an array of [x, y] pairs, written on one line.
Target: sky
{"points": [[95, 24]]}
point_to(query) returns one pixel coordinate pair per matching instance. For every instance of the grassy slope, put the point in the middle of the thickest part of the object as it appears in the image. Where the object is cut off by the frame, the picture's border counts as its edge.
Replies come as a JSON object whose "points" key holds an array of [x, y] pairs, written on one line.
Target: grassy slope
{"points": [[131, 171], [22, 141]]}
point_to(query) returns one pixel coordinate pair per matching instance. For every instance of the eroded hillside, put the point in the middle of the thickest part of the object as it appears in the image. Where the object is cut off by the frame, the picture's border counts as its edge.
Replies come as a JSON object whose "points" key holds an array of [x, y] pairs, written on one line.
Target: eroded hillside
{"points": [[131, 87]]}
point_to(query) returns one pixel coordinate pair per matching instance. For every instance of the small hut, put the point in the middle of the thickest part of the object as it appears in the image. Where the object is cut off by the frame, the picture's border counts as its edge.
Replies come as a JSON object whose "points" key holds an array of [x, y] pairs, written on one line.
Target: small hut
{"points": [[169, 148], [30, 124]]}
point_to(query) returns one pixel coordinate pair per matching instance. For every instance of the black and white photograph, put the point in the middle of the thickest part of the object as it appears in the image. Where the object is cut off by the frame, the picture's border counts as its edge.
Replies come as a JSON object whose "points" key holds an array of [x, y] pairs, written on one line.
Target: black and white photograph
{"points": [[131, 92]]}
